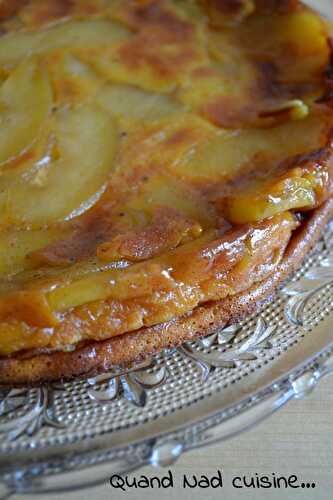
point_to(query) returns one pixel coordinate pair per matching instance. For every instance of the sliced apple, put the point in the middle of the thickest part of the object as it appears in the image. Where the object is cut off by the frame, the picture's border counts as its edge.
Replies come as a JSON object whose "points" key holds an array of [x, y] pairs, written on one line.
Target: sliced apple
{"points": [[290, 193], [222, 155], [25, 101], [303, 187], [70, 184], [70, 34], [126, 101]]}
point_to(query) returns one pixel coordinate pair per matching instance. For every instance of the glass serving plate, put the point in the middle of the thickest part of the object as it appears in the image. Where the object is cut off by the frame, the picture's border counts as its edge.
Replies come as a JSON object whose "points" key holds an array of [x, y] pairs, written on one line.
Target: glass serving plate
{"points": [[189, 397], [183, 399]]}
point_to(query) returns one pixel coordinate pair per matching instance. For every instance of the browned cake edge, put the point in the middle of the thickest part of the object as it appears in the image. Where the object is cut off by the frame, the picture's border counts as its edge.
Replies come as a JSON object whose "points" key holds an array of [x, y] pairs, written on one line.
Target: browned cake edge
{"points": [[124, 350]]}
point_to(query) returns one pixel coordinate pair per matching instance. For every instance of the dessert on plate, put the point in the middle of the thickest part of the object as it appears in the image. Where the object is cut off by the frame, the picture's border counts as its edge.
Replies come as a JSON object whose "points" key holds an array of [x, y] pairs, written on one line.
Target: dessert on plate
{"points": [[164, 166]]}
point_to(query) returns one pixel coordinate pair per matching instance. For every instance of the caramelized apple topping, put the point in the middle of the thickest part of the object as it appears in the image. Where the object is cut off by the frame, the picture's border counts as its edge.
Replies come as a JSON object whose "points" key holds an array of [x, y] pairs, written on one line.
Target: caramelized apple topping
{"points": [[152, 157]]}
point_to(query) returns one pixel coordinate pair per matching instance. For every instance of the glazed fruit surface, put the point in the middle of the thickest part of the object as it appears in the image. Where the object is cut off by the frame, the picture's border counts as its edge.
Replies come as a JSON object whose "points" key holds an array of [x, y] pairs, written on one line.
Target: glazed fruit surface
{"points": [[153, 157]]}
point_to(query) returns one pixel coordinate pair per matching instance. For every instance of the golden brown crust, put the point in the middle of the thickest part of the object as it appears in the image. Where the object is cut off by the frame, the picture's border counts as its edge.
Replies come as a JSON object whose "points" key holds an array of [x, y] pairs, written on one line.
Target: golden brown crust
{"points": [[124, 350]]}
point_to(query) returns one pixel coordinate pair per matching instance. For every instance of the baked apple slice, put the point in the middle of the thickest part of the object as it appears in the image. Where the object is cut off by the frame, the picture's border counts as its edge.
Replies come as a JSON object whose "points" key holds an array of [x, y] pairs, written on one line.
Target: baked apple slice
{"points": [[303, 187], [25, 102], [72, 178], [66, 35], [219, 155], [130, 102]]}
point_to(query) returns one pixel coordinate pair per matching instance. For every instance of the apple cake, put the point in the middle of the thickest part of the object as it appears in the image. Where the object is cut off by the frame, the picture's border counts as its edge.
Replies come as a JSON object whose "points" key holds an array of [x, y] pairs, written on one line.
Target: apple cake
{"points": [[164, 166]]}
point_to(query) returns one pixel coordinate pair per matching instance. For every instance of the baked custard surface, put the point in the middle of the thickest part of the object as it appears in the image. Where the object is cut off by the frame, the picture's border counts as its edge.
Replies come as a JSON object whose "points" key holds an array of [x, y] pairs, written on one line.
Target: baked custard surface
{"points": [[155, 156]]}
